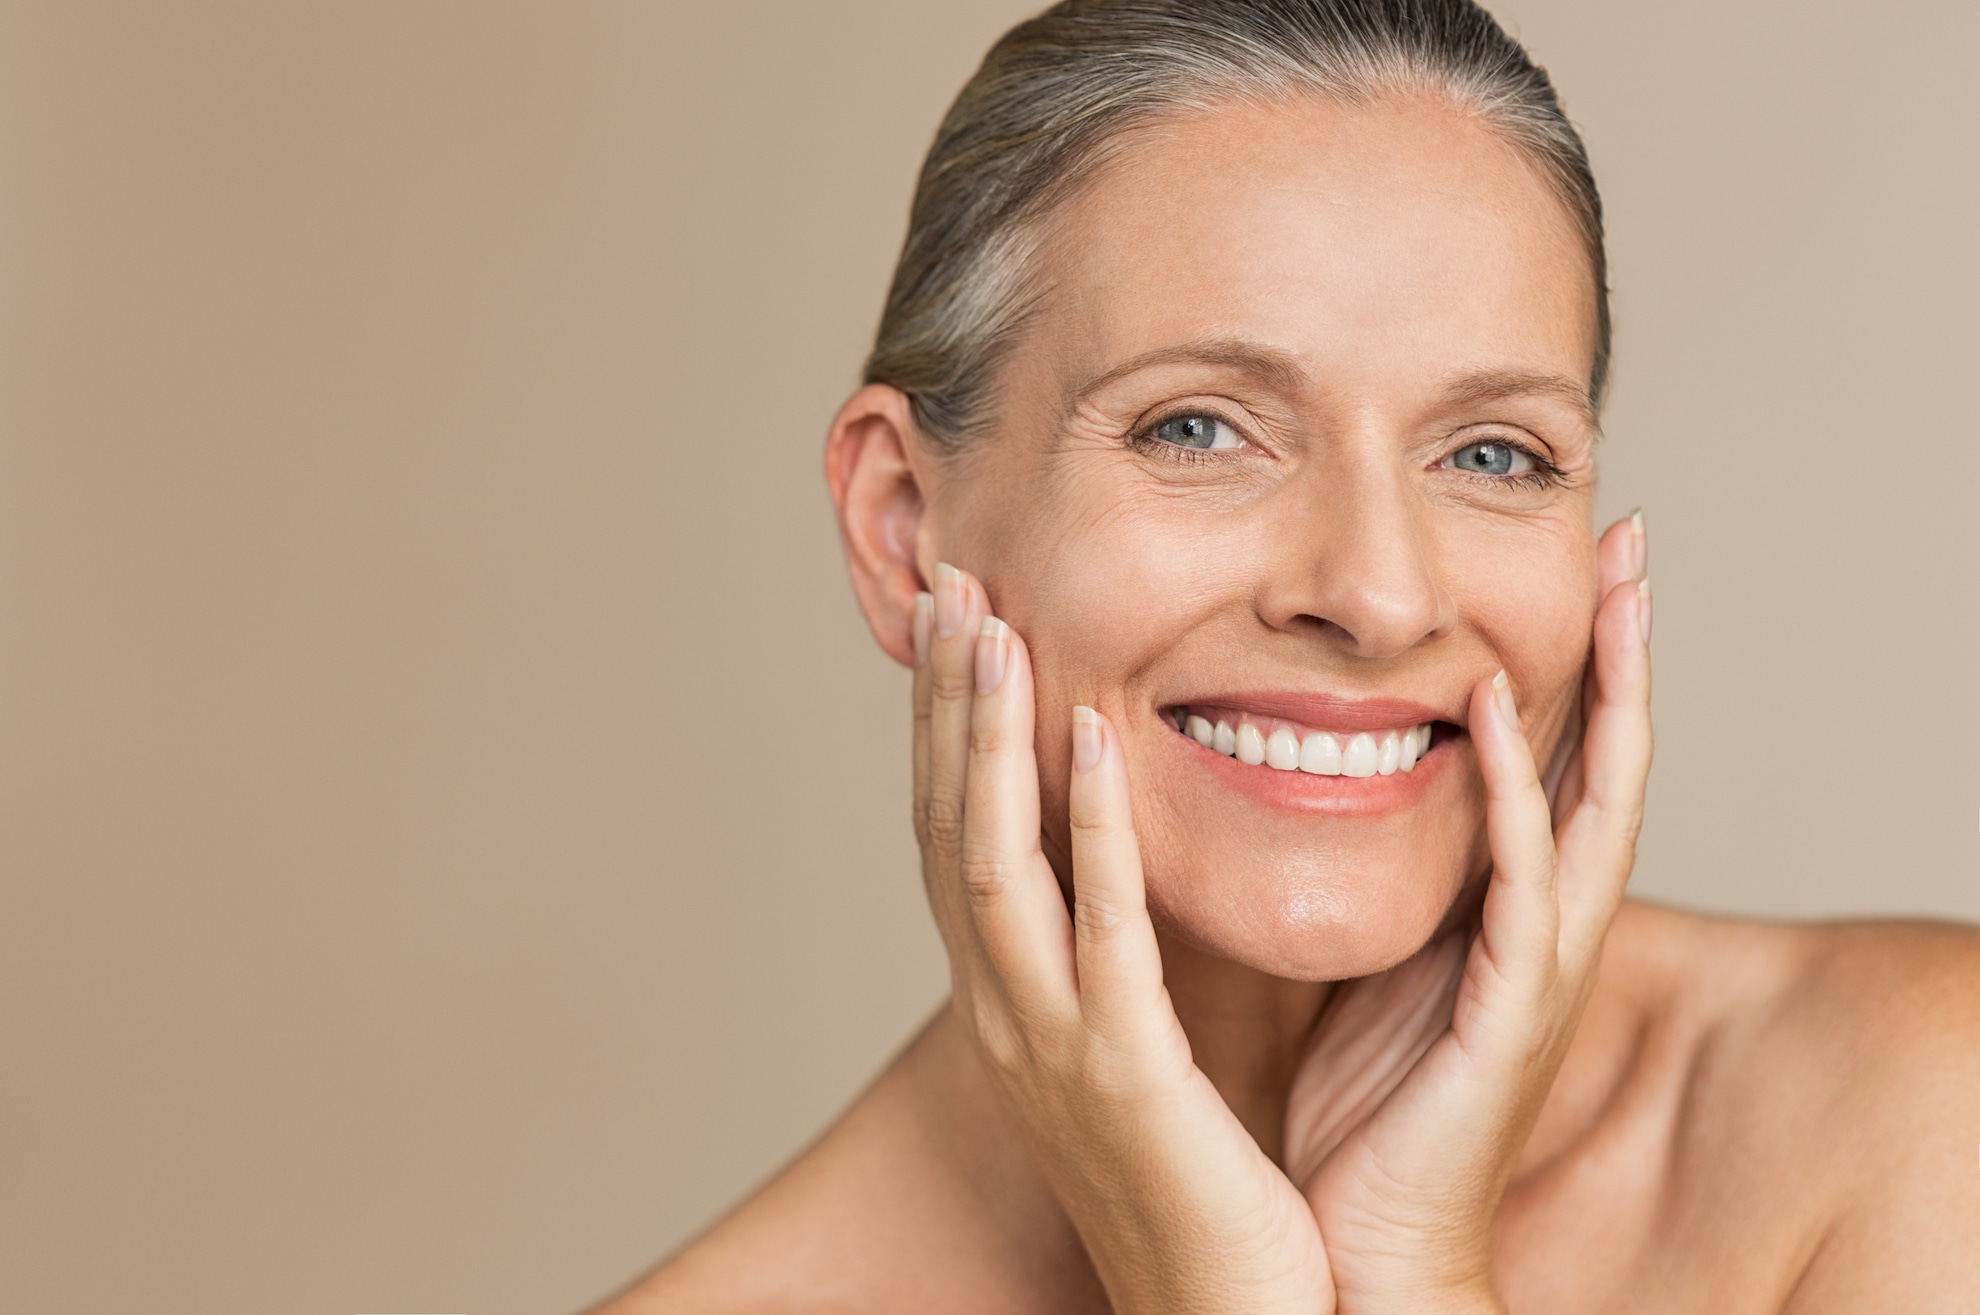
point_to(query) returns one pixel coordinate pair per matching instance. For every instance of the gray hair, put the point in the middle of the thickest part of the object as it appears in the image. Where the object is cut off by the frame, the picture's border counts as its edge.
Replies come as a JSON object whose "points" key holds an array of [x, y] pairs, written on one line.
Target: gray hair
{"points": [[1056, 91]]}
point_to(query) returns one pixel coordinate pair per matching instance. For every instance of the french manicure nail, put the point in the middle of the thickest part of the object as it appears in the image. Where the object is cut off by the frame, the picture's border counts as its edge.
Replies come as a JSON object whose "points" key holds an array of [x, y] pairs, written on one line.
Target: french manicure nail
{"points": [[951, 600], [1643, 608], [1502, 694], [1087, 739], [993, 647], [924, 618], [1639, 544]]}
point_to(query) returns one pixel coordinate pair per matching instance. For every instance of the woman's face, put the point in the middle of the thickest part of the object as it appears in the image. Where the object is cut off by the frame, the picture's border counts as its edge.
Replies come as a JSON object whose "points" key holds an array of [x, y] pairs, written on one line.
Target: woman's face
{"points": [[1298, 438]]}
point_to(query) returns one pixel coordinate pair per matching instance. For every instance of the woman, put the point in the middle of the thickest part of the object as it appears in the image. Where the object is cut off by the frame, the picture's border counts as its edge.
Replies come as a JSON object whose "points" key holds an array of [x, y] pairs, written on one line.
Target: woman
{"points": [[1225, 472]]}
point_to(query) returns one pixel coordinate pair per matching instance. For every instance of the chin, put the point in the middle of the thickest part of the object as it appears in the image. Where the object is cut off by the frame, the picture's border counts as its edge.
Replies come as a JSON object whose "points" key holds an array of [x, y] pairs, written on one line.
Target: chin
{"points": [[1310, 915], [1279, 876]]}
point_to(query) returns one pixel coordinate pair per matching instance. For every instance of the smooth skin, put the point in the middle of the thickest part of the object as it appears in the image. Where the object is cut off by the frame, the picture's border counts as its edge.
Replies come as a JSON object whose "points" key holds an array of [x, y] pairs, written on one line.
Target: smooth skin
{"points": [[1209, 1050]]}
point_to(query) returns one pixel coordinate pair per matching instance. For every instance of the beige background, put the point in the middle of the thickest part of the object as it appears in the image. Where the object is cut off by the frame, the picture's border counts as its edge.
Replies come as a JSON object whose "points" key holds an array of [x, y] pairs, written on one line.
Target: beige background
{"points": [[451, 817]]}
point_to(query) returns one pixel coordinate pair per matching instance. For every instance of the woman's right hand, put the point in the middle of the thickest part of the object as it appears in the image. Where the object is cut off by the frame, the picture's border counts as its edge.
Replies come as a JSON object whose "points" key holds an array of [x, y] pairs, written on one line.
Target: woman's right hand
{"points": [[1177, 1206]]}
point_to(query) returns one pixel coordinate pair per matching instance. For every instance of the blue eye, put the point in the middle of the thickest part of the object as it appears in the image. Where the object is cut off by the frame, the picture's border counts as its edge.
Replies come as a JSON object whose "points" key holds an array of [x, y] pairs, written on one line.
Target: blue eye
{"points": [[1490, 458], [1203, 432]]}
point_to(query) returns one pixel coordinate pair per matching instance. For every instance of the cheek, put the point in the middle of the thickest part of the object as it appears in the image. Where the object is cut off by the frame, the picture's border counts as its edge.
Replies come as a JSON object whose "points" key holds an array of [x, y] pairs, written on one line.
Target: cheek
{"points": [[1534, 609], [1102, 586], [1107, 583]]}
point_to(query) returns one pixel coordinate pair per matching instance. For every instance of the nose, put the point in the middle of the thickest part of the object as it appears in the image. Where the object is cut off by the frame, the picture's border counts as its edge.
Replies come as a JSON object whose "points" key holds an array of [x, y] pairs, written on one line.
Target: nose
{"points": [[1355, 564]]}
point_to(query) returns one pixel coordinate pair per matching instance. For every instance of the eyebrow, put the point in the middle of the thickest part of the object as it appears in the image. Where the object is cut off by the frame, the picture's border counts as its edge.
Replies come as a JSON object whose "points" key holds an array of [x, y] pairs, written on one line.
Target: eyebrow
{"points": [[1496, 385], [1270, 366], [1281, 372]]}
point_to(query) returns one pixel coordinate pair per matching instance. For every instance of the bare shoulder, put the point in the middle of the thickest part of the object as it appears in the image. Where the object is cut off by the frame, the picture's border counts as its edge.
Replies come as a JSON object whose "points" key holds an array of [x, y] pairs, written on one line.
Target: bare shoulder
{"points": [[1885, 1018], [1882, 1019], [1873, 1008], [1834, 1096], [810, 1239], [915, 1200]]}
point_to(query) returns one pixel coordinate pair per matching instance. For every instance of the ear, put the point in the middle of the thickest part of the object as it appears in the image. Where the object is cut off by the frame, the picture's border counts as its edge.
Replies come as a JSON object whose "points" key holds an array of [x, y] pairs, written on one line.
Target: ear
{"points": [[870, 464]]}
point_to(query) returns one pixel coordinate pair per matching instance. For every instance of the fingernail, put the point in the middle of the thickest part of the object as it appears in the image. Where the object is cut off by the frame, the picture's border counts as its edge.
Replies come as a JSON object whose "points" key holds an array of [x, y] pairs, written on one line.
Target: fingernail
{"points": [[924, 617], [1087, 739], [1639, 544], [951, 600], [1643, 608], [993, 646], [1502, 694]]}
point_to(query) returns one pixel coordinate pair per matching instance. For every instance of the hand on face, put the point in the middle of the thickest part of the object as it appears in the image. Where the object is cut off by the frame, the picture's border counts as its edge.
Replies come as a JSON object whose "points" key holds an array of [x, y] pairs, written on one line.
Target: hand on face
{"points": [[1178, 1207], [1421, 1082]]}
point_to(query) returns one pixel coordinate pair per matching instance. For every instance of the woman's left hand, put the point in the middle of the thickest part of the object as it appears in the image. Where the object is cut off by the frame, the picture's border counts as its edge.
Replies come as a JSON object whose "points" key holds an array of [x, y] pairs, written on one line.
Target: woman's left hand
{"points": [[1422, 1083]]}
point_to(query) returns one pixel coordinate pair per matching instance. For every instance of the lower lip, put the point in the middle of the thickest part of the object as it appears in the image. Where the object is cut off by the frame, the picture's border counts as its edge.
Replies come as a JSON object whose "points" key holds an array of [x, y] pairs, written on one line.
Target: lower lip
{"points": [[1303, 792]]}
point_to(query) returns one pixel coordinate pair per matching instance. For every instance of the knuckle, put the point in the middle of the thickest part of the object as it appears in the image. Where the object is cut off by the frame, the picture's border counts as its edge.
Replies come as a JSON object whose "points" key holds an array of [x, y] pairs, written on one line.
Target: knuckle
{"points": [[987, 737], [952, 685], [1624, 819], [1526, 791], [1087, 821], [942, 823], [985, 875], [1095, 917]]}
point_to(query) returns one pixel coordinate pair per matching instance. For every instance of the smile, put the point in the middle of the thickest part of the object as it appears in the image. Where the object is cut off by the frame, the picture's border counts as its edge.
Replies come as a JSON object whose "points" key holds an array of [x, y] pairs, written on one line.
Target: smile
{"points": [[1288, 746]]}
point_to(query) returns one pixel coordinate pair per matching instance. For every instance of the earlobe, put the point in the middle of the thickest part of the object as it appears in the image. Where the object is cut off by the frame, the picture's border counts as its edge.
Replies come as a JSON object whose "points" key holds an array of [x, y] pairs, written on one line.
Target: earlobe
{"points": [[872, 469]]}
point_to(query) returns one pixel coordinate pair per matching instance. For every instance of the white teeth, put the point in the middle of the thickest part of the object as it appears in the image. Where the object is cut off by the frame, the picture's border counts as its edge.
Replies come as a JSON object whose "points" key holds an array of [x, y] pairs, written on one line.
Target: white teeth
{"points": [[1320, 755], [1282, 750], [1358, 759]]}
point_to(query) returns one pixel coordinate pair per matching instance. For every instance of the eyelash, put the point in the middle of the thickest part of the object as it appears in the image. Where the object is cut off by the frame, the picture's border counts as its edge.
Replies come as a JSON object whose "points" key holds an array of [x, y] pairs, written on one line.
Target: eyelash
{"points": [[1144, 440], [1545, 475]]}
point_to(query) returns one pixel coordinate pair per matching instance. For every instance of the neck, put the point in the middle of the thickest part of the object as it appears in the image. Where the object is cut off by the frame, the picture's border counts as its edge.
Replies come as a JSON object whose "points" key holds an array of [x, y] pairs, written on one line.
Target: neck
{"points": [[1247, 1031]]}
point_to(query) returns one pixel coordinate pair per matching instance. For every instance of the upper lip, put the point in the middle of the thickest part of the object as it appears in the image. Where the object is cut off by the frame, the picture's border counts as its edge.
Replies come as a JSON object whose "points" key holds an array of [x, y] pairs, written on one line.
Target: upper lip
{"points": [[1324, 711]]}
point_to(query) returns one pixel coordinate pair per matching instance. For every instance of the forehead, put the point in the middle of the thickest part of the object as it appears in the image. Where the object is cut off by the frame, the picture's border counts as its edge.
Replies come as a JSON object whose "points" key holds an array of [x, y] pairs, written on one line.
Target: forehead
{"points": [[1376, 243]]}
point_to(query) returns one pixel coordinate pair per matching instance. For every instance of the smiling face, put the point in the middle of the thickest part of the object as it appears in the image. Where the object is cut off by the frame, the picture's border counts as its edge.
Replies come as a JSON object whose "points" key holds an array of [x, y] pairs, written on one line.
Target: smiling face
{"points": [[1297, 441]]}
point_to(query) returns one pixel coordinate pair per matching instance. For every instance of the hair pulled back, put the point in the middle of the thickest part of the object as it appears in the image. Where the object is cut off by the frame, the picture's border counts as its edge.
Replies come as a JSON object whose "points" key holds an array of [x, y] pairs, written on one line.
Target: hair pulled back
{"points": [[1052, 95]]}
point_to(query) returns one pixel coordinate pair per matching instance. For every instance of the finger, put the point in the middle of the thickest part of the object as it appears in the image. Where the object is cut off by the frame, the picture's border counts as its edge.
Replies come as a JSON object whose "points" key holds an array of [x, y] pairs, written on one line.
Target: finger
{"points": [[1119, 963], [1522, 911], [1598, 840], [1623, 553], [1014, 900], [958, 610], [924, 633]]}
